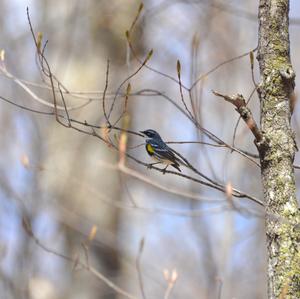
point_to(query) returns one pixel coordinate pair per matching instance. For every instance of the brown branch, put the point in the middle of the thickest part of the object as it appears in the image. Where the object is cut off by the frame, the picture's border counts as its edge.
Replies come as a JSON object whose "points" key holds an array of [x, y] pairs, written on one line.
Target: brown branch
{"points": [[238, 121], [71, 121], [148, 57], [181, 92], [104, 92], [71, 124], [74, 260], [241, 107]]}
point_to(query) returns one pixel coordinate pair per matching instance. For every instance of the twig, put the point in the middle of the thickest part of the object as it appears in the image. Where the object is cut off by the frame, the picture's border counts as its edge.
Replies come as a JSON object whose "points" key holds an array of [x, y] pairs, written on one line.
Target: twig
{"points": [[138, 267], [251, 55], [218, 66], [241, 107], [141, 6], [212, 145], [35, 97], [181, 92], [149, 55], [149, 67], [133, 173], [104, 92], [238, 121], [27, 227], [66, 109], [237, 193], [47, 72]]}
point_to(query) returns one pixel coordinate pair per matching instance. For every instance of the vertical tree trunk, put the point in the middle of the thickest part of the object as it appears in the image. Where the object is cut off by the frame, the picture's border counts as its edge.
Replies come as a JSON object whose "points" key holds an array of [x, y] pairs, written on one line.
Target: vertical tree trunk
{"points": [[277, 150]]}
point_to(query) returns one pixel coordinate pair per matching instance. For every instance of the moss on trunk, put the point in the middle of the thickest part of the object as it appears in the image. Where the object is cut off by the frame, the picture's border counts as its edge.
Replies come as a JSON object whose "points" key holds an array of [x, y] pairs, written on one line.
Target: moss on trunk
{"points": [[278, 150]]}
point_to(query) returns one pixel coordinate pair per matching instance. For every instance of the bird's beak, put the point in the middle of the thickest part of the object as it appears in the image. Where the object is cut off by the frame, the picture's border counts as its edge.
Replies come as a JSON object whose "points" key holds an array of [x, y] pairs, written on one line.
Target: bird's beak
{"points": [[143, 132]]}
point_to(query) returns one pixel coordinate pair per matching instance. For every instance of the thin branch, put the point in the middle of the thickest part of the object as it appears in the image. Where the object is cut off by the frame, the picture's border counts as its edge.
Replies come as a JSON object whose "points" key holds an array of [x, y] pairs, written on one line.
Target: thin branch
{"points": [[27, 227], [149, 67], [143, 92], [222, 205], [145, 178], [238, 121], [93, 133], [138, 267], [104, 92], [149, 55], [66, 109], [47, 72], [241, 107], [206, 132], [35, 97], [141, 6], [217, 186], [256, 156], [220, 65], [251, 55], [181, 92], [26, 108], [222, 188]]}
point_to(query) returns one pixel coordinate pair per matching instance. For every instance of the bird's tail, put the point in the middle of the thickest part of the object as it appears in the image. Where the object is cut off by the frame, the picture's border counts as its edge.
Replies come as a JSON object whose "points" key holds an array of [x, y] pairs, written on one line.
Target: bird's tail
{"points": [[176, 165], [179, 160]]}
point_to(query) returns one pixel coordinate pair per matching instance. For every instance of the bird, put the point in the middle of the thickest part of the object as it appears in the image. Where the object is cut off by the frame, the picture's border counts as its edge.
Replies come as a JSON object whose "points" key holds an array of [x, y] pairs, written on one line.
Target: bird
{"points": [[158, 150]]}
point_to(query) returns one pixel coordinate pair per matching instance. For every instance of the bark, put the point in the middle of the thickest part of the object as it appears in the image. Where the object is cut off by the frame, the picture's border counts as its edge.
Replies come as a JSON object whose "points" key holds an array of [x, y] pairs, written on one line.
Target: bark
{"points": [[277, 150]]}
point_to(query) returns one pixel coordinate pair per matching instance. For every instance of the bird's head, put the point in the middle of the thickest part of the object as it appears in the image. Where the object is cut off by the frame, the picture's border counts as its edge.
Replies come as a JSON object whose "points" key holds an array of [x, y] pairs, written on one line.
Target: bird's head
{"points": [[151, 134]]}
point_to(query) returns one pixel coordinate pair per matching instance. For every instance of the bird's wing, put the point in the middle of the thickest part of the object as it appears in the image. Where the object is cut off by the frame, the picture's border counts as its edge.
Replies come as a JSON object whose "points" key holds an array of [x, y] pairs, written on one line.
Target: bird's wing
{"points": [[177, 157], [163, 151]]}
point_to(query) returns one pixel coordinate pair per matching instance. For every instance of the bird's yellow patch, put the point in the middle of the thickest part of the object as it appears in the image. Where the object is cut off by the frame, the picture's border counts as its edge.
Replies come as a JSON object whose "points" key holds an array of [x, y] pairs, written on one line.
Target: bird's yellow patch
{"points": [[150, 149]]}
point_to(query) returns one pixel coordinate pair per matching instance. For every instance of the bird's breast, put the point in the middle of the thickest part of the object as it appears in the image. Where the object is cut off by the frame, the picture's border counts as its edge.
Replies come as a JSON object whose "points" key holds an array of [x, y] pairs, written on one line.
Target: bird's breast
{"points": [[149, 149]]}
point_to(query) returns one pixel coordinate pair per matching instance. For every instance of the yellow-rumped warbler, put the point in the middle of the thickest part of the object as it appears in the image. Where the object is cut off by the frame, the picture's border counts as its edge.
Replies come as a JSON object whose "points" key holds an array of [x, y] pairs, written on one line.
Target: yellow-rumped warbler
{"points": [[159, 151]]}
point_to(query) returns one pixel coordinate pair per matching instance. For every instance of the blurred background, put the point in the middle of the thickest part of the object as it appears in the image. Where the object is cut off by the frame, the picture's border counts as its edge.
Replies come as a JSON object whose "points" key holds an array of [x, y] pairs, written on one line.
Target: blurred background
{"points": [[67, 184]]}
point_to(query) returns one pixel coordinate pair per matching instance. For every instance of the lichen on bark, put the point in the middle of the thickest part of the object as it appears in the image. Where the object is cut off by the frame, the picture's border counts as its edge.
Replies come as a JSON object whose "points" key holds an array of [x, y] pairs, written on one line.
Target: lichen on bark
{"points": [[277, 153]]}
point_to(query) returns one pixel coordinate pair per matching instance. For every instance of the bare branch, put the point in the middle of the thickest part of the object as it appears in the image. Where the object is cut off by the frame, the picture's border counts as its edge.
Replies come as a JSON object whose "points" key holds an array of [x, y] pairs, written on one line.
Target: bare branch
{"points": [[218, 66], [138, 267], [241, 107], [34, 96], [148, 57], [181, 92], [104, 92], [85, 266]]}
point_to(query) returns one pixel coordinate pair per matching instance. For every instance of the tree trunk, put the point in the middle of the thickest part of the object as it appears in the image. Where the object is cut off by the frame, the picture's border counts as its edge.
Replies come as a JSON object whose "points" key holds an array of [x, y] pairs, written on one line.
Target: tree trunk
{"points": [[277, 150]]}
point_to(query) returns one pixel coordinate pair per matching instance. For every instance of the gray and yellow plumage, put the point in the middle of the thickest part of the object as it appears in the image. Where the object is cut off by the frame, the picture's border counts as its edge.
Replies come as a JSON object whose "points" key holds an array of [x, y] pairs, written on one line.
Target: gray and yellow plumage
{"points": [[159, 151]]}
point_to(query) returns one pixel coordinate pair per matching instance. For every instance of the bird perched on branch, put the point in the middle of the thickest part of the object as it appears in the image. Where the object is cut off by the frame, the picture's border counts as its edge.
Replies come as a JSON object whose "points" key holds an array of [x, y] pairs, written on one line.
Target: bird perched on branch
{"points": [[159, 151]]}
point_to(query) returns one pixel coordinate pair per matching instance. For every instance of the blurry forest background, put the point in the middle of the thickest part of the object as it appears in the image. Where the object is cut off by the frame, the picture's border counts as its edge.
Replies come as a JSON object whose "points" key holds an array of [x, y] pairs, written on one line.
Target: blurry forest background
{"points": [[68, 184]]}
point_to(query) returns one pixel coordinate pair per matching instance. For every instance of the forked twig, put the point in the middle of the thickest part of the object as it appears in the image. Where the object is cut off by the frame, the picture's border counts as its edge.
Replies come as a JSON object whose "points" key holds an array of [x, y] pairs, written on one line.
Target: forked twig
{"points": [[241, 107]]}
